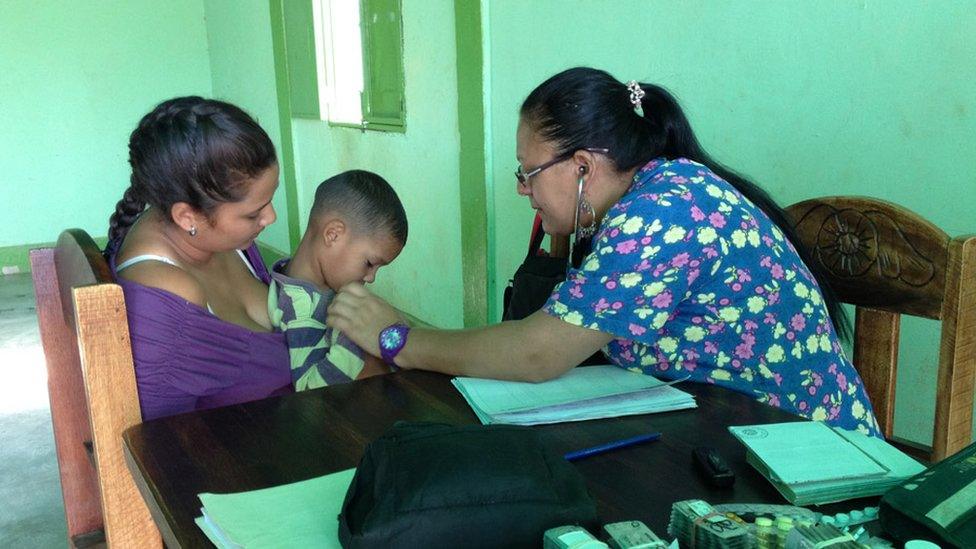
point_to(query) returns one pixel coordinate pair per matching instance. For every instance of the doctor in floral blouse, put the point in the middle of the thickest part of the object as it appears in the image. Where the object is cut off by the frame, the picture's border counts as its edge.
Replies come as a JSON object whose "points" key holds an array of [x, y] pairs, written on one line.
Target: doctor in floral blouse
{"points": [[692, 273]]}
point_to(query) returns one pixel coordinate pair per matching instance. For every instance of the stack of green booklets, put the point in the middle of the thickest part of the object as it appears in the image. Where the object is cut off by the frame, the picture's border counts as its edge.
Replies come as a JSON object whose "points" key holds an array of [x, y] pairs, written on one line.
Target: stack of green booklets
{"points": [[812, 463], [590, 392]]}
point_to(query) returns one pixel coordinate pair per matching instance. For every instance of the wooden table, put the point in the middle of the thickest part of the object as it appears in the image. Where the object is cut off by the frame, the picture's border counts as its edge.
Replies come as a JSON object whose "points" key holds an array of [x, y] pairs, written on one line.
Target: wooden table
{"points": [[296, 437]]}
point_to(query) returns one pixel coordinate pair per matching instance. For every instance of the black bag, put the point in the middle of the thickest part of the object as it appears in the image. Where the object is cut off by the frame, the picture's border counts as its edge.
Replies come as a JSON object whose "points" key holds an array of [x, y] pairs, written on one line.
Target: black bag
{"points": [[533, 282], [436, 485]]}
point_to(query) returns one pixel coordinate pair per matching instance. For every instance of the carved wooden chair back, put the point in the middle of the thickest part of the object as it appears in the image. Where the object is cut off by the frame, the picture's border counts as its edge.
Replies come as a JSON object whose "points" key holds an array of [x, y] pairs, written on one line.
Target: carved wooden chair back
{"points": [[92, 389], [888, 261]]}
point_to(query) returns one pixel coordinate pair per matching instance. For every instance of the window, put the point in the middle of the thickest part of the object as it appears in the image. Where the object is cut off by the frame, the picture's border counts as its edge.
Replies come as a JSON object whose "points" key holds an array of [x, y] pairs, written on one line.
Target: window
{"points": [[359, 55]]}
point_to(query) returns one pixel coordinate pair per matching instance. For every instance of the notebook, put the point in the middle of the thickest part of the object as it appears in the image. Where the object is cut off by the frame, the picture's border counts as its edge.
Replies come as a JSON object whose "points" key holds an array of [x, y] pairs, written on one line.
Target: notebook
{"points": [[300, 514], [590, 392], [811, 462]]}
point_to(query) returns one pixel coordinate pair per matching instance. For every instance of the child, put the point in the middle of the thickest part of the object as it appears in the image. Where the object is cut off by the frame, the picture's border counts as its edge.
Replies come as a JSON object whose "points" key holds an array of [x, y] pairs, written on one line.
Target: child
{"points": [[357, 225]]}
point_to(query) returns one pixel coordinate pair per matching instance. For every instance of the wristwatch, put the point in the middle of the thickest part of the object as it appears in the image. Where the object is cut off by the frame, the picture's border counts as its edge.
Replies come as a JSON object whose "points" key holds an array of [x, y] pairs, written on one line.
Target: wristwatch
{"points": [[392, 340]]}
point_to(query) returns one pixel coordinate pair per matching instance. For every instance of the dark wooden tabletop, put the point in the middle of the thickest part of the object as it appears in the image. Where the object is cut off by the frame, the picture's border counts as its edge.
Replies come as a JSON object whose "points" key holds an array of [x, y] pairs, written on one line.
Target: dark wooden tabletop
{"points": [[305, 435]]}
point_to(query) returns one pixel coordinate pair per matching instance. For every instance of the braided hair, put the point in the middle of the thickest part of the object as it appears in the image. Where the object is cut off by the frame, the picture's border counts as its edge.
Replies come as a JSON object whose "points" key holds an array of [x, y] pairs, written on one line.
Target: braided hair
{"points": [[193, 150], [584, 107]]}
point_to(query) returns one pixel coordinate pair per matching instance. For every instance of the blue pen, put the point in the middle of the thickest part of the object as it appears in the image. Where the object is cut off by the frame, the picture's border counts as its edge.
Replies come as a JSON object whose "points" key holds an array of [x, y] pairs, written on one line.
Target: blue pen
{"points": [[587, 452]]}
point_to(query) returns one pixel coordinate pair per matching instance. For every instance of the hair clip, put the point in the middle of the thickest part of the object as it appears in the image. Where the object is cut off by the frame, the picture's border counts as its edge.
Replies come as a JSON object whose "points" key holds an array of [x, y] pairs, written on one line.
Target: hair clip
{"points": [[636, 93]]}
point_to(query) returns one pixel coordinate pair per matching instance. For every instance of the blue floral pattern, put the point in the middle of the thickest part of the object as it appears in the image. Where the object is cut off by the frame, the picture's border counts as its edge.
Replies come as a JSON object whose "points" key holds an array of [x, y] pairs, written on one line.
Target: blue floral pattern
{"points": [[694, 280]]}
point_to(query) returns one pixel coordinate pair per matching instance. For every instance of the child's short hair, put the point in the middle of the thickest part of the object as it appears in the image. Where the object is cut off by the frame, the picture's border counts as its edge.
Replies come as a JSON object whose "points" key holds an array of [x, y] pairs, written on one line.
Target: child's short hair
{"points": [[365, 200]]}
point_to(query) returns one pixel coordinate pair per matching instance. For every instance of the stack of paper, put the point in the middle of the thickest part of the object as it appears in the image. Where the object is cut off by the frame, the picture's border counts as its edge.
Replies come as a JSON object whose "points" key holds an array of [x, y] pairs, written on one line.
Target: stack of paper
{"points": [[301, 514], [811, 463], [590, 392]]}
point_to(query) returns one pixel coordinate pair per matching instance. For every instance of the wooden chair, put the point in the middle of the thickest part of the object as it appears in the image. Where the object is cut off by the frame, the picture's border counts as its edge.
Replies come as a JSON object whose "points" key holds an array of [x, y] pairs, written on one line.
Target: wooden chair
{"points": [[92, 389], [889, 261]]}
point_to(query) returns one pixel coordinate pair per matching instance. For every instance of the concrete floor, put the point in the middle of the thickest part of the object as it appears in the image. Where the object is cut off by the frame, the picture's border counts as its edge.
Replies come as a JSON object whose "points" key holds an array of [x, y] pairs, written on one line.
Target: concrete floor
{"points": [[32, 513]]}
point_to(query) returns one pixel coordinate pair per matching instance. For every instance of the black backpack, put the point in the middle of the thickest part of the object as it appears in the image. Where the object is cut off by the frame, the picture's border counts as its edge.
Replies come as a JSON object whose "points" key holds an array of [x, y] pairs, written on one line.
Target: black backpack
{"points": [[533, 282], [435, 485]]}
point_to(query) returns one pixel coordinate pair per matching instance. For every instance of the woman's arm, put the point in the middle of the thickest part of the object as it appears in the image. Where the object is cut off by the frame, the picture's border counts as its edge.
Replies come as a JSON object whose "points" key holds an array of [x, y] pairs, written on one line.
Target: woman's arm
{"points": [[537, 348]]}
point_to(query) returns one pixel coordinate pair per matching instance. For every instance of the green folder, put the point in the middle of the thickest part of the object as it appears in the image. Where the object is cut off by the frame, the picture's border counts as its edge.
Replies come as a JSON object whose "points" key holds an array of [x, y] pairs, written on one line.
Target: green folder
{"points": [[300, 514]]}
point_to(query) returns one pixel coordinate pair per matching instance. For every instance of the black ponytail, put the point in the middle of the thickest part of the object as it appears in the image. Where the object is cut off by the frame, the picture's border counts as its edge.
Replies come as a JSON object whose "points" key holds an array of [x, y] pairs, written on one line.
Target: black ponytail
{"points": [[587, 108], [193, 150]]}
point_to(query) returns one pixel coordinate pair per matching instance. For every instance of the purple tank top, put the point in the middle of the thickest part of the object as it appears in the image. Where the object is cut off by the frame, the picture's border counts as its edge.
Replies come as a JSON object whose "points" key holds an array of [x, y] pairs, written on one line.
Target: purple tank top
{"points": [[188, 359]]}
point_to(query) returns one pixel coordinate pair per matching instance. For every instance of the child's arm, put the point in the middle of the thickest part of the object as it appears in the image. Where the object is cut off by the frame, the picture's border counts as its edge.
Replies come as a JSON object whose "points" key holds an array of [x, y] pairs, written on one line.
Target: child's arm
{"points": [[372, 366]]}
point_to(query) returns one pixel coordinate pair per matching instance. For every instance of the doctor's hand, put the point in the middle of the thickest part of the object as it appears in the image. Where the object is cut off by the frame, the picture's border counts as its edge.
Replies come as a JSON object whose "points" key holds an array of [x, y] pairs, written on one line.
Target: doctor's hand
{"points": [[359, 314]]}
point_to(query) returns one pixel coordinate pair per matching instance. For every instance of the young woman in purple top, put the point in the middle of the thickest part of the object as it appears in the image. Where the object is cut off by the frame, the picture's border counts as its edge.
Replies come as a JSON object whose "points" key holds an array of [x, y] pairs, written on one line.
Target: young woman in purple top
{"points": [[181, 243]]}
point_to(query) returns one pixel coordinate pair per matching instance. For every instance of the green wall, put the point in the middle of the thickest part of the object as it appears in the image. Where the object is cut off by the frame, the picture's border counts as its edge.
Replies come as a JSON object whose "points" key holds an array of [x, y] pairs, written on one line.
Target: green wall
{"points": [[74, 80], [243, 72], [421, 164], [807, 98]]}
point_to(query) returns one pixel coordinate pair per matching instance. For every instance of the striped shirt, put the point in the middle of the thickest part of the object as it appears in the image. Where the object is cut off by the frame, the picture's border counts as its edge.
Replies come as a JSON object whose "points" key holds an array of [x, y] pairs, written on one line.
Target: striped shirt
{"points": [[319, 355]]}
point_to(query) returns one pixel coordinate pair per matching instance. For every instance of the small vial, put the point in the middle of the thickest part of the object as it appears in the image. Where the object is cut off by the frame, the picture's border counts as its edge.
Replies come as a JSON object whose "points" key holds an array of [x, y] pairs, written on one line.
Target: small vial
{"points": [[765, 538], [783, 527], [857, 517]]}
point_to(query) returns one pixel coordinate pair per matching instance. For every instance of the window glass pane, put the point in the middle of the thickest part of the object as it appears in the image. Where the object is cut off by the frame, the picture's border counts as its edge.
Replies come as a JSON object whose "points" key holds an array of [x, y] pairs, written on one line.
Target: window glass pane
{"points": [[383, 98], [346, 57]]}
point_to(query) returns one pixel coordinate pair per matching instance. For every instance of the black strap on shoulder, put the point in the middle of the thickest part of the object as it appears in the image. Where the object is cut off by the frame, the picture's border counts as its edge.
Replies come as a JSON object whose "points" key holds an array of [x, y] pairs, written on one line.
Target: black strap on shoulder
{"points": [[537, 235]]}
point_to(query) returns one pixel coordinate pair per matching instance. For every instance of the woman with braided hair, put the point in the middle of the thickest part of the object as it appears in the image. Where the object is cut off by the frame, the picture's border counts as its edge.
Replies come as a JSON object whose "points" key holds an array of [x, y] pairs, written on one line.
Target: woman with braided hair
{"points": [[181, 244], [693, 270]]}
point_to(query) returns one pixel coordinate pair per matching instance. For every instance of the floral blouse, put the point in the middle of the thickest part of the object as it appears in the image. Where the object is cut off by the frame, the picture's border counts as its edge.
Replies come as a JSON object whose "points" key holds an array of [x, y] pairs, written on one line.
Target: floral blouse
{"points": [[696, 281]]}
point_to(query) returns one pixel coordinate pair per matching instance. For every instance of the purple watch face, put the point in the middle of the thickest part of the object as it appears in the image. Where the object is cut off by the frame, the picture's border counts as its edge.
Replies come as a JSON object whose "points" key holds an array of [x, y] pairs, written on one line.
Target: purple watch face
{"points": [[392, 339]]}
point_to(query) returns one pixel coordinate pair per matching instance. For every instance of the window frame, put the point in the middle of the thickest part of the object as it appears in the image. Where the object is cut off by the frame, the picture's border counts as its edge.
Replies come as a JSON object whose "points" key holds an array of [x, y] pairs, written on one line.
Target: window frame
{"points": [[371, 36], [326, 71]]}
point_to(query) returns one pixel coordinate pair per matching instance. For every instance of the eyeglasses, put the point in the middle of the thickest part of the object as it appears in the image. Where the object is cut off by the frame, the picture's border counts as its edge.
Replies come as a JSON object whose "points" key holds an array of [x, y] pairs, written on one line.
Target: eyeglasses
{"points": [[523, 176]]}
